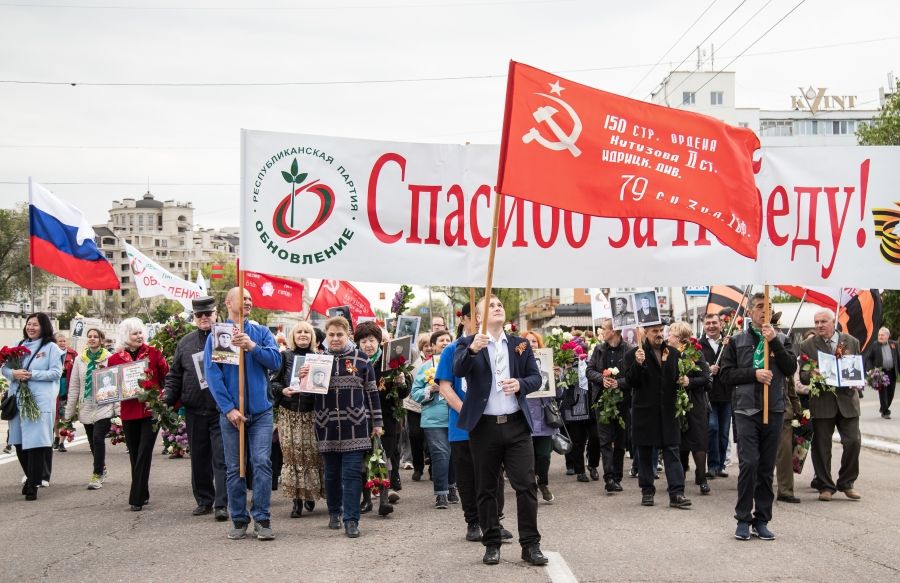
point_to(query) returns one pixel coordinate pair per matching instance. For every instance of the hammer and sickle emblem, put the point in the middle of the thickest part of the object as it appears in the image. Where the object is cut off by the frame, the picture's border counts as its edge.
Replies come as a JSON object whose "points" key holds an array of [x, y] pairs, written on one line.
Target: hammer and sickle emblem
{"points": [[331, 285], [544, 114]]}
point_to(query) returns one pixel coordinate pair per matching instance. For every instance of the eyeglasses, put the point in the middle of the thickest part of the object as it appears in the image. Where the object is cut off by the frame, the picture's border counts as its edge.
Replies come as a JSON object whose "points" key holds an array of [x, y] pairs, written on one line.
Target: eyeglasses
{"points": [[201, 314]]}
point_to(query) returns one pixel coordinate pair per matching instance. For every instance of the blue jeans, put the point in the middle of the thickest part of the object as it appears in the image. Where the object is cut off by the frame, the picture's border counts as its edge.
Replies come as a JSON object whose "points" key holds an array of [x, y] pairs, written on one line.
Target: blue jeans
{"points": [[258, 437], [719, 426], [343, 483], [443, 474]]}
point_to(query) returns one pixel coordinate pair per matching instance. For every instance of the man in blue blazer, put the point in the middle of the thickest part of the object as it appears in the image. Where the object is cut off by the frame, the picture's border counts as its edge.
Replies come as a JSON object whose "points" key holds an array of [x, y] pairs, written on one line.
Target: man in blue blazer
{"points": [[499, 371]]}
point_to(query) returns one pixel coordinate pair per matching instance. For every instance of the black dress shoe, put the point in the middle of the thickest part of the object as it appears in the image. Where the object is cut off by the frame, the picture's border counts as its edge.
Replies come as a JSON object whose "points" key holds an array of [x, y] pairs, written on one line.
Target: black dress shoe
{"points": [[505, 535], [532, 554], [704, 488], [647, 500], [365, 507], [473, 532], [788, 499], [31, 496], [396, 485], [351, 528], [221, 515], [297, 510], [135, 508], [417, 475], [310, 505], [610, 487], [595, 475], [710, 475], [583, 478], [721, 474], [201, 510], [617, 487], [491, 556], [679, 501], [334, 521]]}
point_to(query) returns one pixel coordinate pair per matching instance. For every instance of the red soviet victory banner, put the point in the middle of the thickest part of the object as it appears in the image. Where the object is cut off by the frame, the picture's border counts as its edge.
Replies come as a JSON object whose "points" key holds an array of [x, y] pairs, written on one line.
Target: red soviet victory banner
{"points": [[334, 292], [274, 293], [580, 149]]}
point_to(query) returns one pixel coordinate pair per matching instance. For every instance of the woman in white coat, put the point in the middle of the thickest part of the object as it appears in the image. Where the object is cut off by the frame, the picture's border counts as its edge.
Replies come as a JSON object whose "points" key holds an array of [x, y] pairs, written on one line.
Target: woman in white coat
{"points": [[41, 369], [95, 418]]}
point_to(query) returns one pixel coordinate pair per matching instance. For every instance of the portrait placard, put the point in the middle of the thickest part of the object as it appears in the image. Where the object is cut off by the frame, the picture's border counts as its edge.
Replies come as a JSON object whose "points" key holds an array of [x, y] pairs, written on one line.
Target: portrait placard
{"points": [[408, 326], [646, 308], [544, 357], [295, 373], [318, 379], [223, 351], [131, 375], [623, 311], [197, 357], [398, 347], [106, 385]]}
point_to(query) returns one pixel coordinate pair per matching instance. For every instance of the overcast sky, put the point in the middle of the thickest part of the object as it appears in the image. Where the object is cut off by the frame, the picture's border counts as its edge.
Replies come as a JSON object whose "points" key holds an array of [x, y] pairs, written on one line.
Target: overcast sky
{"points": [[92, 144]]}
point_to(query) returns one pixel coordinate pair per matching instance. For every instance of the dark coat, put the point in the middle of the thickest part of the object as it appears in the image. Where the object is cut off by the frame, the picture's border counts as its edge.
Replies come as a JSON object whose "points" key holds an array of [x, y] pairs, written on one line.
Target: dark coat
{"points": [[653, 388], [476, 368], [720, 392], [182, 383], [604, 357], [738, 371], [389, 405], [297, 402], [696, 437], [875, 359]]}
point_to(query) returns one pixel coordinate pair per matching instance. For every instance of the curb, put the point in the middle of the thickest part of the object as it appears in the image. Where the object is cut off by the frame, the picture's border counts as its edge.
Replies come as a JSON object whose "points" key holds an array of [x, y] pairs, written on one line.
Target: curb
{"points": [[876, 443]]}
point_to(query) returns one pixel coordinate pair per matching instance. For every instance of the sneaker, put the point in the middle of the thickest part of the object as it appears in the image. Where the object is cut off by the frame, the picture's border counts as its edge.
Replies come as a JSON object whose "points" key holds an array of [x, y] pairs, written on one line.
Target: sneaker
{"points": [[44, 484], [221, 515], [62, 447], [56, 444], [393, 497], [761, 531], [440, 502], [263, 530], [647, 500], [546, 494], [417, 475], [334, 521], [407, 465], [570, 471], [96, 483], [24, 479], [453, 496], [633, 473], [238, 531], [351, 529], [7, 449], [679, 501], [104, 475], [742, 532]]}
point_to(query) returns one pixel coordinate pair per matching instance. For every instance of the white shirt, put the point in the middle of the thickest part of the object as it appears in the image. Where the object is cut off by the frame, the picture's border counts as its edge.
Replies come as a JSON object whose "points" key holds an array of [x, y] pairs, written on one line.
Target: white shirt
{"points": [[499, 403], [714, 344]]}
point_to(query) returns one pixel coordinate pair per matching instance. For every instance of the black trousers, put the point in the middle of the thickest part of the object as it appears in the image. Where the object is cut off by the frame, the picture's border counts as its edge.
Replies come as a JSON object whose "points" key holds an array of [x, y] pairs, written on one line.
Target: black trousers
{"points": [[757, 449], [416, 440], [140, 437], [886, 395], [584, 436], [33, 462], [508, 446], [612, 439], [543, 449], [467, 485], [96, 434], [207, 459], [391, 444], [647, 469]]}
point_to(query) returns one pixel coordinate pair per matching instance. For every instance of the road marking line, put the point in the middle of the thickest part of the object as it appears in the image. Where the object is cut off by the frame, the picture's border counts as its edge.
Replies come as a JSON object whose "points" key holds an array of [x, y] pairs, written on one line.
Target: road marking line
{"points": [[558, 569], [11, 457]]}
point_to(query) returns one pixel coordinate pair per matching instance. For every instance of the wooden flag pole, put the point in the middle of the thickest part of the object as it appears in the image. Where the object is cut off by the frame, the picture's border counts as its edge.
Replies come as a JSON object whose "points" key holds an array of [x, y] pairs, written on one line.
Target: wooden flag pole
{"points": [[490, 271], [241, 460], [471, 328], [767, 309]]}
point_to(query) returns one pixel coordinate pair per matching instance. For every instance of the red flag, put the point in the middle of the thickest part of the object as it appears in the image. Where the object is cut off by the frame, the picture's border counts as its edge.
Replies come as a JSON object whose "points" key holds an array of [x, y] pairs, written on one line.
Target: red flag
{"points": [[827, 297], [861, 311], [580, 149], [334, 292], [216, 272], [274, 293]]}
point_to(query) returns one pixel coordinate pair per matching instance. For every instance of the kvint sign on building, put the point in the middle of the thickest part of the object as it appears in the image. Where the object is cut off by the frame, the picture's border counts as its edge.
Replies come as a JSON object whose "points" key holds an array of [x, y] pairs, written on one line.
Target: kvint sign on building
{"points": [[815, 100]]}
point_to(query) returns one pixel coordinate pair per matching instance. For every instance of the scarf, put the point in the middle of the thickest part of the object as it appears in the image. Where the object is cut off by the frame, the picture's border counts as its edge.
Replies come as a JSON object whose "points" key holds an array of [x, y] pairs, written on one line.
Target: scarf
{"points": [[375, 358], [91, 358], [759, 354]]}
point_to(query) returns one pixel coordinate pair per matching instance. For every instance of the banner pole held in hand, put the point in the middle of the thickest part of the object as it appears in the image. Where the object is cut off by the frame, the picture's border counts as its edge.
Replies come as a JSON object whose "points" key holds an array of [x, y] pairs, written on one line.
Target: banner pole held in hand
{"points": [[766, 320], [241, 461]]}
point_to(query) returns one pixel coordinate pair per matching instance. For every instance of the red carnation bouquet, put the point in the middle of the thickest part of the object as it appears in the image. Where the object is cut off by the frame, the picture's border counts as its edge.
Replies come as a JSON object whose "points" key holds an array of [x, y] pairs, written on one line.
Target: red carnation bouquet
{"points": [[376, 469], [12, 357], [738, 325], [394, 379], [66, 429]]}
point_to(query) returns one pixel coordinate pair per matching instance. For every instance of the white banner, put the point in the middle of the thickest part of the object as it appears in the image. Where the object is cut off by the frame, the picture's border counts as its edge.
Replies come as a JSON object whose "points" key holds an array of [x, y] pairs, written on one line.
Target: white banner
{"points": [[152, 280], [600, 307], [421, 213]]}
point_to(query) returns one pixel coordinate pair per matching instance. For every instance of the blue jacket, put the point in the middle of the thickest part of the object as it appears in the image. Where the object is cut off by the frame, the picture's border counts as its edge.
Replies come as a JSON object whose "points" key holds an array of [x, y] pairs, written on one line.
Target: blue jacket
{"points": [[46, 370], [435, 411], [476, 368], [445, 373], [223, 378]]}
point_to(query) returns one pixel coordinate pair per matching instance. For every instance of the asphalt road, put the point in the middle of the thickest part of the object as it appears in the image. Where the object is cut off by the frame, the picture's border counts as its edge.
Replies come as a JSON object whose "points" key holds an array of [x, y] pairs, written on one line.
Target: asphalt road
{"points": [[72, 534]]}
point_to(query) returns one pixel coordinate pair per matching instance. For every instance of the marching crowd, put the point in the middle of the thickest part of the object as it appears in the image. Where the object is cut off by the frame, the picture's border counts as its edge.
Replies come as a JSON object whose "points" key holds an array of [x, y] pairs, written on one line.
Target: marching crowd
{"points": [[462, 410]]}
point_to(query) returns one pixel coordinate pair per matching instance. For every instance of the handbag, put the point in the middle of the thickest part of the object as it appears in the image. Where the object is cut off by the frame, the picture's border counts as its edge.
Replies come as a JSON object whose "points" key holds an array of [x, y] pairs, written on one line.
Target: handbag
{"points": [[552, 418], [562, 444], [9, 408]]}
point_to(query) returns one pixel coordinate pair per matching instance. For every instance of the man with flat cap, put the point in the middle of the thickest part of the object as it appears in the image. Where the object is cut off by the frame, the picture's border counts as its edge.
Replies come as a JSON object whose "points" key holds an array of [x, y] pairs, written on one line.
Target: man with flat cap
{"points": [[201, 415]]}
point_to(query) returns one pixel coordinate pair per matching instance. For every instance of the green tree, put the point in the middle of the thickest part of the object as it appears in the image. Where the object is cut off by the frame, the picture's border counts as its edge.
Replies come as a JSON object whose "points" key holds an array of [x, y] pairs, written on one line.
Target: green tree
{"points": [[163, 309], [884, 130], [891, 310], [510, 296], [440, 308], [78, 306], [14, 257]]}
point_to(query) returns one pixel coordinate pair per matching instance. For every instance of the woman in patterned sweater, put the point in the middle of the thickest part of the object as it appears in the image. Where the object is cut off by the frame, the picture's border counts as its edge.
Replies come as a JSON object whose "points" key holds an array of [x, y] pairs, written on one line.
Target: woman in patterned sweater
{"points": [[345, 419]]}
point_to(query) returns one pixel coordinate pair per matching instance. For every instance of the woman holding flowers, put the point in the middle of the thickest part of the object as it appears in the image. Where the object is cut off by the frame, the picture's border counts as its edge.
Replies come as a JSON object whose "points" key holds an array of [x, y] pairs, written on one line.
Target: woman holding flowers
{"points": [[95, 418], [301, 475], [138, 423], [691, 406], [346, 419], [541, 434], [435, 420], [33, 369]]}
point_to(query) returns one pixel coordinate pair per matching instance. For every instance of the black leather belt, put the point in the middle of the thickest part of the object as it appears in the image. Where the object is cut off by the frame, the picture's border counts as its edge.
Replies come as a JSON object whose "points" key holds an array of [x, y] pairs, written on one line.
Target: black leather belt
{"points": [[500, 419]]}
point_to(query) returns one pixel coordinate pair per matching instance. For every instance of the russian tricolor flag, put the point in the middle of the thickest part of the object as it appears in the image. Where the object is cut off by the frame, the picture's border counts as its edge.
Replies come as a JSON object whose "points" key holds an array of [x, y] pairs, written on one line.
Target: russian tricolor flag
{"points": [[62, 241]]}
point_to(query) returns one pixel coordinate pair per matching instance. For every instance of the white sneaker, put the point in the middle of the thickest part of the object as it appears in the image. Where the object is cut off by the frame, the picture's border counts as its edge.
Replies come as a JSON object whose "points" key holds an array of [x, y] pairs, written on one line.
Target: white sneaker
{"points": [[104, 475], [407, 465], [95, 483], [24, 479], [44, 484]]}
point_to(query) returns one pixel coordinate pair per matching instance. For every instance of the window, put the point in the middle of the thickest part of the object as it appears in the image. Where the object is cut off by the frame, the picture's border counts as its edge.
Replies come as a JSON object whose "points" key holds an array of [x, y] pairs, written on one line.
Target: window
{"points": [[124, 267], [109, 254], [141, 220], [776, 127], [65, 291], [688, 98], [716, 97], [124, 279], [124, 255], [131, 220]]}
